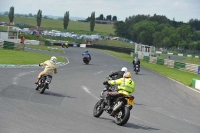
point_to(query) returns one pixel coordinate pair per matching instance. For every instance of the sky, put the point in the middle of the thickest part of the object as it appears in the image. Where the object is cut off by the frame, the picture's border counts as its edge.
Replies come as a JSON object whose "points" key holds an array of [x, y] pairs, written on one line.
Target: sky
{"points": [[181, 10]]}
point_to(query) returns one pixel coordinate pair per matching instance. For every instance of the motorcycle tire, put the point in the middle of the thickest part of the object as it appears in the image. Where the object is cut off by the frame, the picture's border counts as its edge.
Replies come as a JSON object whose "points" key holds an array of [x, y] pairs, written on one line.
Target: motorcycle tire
{"points": [[124, 117], [98, 109], [37, 87], [43, 89]]}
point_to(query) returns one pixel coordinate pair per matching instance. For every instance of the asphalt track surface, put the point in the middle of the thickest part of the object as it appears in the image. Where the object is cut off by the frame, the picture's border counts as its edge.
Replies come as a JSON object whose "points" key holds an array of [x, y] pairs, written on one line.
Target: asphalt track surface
{"points": [[161, 105]]}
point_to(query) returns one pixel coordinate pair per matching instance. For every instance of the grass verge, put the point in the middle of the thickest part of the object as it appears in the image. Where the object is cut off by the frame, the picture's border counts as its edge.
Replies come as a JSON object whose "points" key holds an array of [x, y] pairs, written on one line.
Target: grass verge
{"points": [[23, 57], [178, 75]]}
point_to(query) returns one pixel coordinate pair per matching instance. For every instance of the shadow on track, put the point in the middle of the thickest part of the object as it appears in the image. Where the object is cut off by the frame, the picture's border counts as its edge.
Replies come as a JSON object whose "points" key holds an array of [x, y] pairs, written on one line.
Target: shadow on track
{"points": [[56, 94], [134, 126], [131, 125]]}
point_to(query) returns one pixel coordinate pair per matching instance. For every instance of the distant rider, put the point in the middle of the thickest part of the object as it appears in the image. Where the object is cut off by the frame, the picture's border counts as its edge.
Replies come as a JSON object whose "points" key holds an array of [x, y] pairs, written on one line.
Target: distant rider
{"points": [[87, 54], [136, 61], [119, 74], [126, 86], [50, 68]]}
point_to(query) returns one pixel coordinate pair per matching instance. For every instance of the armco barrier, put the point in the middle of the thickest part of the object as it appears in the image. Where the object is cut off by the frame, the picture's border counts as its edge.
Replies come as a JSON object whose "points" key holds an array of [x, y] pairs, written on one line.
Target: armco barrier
{"points": [[160, 61], [146, 58], [113, 48], [8, 45], [179, 65], [169, 63], [196, 83], [153, 60], [193, 68]]}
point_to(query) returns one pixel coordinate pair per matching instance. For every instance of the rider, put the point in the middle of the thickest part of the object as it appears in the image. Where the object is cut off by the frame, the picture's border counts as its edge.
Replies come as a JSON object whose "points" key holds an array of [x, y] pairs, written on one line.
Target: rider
{"points": [[50, 68], [136, 61], [66, 44], [87, 53], [126, 86], [119, 74]]}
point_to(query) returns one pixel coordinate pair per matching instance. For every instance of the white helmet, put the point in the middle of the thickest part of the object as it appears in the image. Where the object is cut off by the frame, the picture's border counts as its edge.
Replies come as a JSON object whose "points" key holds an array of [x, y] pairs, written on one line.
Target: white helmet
{"points": [[54, 59], [124, 69]]}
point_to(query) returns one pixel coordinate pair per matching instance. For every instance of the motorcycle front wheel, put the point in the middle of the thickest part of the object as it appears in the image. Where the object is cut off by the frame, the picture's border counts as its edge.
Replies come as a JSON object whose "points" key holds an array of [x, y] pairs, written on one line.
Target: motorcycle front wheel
{"points": [[98, 109]]}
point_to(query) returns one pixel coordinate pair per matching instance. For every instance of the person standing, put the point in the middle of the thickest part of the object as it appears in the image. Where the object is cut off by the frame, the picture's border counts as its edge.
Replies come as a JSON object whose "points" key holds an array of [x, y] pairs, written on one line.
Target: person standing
{"points": [[22, 40]]}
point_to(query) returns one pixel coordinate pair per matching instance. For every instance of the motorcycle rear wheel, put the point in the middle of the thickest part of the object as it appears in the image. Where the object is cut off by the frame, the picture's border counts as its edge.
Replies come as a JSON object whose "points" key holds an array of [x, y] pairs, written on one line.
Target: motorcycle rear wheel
{"points": [[122, 117], [43, 89]]}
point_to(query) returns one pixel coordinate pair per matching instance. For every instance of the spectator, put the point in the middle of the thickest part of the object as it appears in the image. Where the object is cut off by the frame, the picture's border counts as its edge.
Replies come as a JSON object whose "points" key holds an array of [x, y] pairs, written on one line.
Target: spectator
{"points": [[22, 41]]}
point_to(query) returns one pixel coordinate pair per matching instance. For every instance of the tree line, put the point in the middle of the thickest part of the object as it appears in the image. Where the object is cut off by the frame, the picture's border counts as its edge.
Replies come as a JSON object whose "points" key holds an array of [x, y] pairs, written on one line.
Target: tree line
{"points": [[39, 17], [101, 17], [159, 31]]}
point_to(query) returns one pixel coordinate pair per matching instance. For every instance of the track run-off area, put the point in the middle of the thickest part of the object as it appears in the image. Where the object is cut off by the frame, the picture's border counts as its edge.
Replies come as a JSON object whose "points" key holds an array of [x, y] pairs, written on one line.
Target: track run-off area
{"points": [[161, 104]]}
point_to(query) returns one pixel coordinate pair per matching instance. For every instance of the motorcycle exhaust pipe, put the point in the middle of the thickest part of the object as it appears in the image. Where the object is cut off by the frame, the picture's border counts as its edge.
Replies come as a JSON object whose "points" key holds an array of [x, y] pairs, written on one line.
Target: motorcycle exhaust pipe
{"points": [[116, 107]]}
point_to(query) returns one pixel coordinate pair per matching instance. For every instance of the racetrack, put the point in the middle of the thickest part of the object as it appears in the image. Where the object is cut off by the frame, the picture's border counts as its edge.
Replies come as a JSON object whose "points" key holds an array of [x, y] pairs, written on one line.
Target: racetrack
{"points": [[161, 105]]}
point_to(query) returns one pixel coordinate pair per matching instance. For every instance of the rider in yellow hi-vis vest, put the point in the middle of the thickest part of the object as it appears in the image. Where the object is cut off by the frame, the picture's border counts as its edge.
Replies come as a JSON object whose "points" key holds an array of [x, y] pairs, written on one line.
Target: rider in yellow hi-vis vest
{"points": [[126, 86]]}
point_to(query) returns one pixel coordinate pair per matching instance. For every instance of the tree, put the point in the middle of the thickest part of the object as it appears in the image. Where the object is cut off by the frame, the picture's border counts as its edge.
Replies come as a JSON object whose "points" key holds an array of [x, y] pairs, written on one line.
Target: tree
{"points": [[185, 32], [88, 19], [66, 20], [39, 18], [11, 14], [101, 17], [109, 17], [92, 21], [6, 13], [157, 38], [30, 15], [120, 28], [114, 18]]}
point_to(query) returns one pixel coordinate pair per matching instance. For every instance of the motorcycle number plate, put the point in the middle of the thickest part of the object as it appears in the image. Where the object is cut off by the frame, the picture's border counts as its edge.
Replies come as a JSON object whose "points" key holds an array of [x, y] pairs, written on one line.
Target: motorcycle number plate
{"points": [[130, 102]]}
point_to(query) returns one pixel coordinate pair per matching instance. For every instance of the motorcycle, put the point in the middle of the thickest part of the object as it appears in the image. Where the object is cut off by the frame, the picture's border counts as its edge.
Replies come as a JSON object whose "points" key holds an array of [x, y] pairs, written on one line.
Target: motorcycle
{"points": [[120, 107], [86, 59], [64, 46], [136, 69], [43, 83]]}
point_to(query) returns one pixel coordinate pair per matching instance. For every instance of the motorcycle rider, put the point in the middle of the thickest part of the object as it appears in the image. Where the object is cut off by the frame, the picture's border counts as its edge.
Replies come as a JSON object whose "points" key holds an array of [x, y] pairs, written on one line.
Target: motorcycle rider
{"points": [[136, 61], [119, 74], [87, 53], [126, 86], [50, 68]]}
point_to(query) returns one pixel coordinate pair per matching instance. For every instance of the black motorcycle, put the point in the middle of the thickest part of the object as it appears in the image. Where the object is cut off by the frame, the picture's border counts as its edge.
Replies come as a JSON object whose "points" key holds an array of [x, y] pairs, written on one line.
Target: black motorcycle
{"points": [[120, 107], [136, 69], [43, 83], [86, 59]]}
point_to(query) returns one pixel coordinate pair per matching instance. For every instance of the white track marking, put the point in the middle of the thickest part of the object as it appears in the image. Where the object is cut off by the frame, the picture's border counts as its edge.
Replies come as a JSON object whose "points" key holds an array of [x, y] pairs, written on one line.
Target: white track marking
{"points": [[158, 110], [87, 90], [150, 123], [20, 75], [98, 72], [161, 111]]}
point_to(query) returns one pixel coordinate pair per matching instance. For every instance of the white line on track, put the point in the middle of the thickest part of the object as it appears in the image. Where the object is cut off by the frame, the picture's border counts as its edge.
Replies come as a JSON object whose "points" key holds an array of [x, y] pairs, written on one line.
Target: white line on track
{"points": [[158, 110], [98, 72], [20, 75], [161, 111], [87, 90]]}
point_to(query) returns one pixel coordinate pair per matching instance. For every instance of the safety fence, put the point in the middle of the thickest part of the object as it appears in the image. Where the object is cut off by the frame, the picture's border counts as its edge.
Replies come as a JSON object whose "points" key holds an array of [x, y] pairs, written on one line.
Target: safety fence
{"points": [[11, 45], [185, 55], [193, 68]]}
